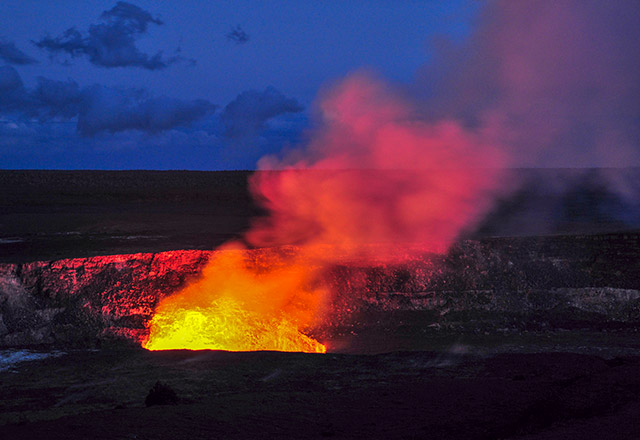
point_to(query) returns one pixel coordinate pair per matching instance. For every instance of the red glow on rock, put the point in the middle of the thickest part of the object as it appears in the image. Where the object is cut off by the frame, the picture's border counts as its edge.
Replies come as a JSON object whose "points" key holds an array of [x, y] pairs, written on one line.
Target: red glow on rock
{"points": [[373, 175]]}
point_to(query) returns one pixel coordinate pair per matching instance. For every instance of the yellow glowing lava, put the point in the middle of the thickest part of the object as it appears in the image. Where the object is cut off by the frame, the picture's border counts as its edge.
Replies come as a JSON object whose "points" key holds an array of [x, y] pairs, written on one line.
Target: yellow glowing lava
{"points": [[226, 326], [240, 305]]}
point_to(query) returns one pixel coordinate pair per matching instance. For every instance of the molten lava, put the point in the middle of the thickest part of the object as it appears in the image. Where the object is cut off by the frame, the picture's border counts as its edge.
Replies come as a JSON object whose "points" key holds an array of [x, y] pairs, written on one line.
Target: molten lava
{"points": [[240, 305], [374, 174]]}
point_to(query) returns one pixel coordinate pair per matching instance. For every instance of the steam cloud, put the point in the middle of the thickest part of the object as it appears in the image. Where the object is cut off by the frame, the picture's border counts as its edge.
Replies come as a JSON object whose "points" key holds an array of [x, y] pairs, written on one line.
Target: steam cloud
{"points": [[377, 174], [549, 83], [373, 174], [557, 81], [538, 83], [111, 43]]}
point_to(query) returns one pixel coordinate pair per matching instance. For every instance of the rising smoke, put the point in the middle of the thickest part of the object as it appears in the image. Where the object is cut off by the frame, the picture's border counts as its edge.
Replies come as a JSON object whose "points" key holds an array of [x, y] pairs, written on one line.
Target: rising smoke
{"points": [[549, 83], [373, 179], [374, 173], [556, 84], [558, 81]]}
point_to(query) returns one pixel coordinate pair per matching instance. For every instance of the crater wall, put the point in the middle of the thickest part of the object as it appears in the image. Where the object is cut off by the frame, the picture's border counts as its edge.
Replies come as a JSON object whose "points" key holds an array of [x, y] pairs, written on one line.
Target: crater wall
{"points": [[586, 281]]}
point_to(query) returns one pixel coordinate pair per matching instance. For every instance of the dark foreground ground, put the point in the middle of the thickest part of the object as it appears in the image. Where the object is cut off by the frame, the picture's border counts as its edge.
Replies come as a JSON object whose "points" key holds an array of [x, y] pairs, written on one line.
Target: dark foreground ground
{"points": [[480, 391]]}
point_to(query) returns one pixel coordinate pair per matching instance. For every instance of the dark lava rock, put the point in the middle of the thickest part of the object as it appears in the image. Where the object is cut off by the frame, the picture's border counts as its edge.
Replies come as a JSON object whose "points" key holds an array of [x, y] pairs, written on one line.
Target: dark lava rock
{"points": [[564, 282]]}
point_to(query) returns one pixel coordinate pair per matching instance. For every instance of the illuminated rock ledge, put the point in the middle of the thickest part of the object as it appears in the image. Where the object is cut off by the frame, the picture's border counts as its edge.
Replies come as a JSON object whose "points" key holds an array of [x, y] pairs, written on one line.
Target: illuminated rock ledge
{"points": [[524, 283]]}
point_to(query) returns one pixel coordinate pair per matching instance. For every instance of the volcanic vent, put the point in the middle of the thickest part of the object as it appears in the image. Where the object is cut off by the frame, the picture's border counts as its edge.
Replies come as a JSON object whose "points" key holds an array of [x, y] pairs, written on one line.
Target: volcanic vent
{"points": [[367, 219], [506, 284], [373, 176]]}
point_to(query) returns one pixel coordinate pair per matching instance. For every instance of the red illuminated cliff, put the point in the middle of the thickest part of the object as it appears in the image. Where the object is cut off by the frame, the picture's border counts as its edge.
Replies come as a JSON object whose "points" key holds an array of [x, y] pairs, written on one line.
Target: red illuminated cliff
{"points": [[83, 300], [526, 283]]}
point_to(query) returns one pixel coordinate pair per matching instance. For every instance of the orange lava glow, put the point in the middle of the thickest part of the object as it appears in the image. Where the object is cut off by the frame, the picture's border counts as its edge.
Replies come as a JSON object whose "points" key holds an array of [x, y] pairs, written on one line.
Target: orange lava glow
{"points": [[372, 175], [239, 305]]}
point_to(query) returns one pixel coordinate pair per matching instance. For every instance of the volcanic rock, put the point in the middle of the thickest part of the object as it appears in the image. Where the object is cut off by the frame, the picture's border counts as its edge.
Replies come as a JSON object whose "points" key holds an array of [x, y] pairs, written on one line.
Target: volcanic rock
{"points": [[488, 285], [79, 301]]}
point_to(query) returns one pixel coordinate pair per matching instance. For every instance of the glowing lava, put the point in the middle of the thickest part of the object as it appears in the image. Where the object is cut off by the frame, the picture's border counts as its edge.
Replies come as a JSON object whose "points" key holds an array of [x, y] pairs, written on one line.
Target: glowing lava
{"points": [[374, 174], [240, 306]]}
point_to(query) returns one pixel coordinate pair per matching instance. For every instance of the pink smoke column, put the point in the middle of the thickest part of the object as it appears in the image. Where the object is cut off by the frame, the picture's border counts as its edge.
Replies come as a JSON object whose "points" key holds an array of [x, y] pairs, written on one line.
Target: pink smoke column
{"points": [[375, 173], [557, 81]]}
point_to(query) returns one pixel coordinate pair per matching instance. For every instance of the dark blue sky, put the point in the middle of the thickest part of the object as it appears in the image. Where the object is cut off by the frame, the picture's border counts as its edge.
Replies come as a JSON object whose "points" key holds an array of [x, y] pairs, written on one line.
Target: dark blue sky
{"points": [[218, 84], [271, 58]]}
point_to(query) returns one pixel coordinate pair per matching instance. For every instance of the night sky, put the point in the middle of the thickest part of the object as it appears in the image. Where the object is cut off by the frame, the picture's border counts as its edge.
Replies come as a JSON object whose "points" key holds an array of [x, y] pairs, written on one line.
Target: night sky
{"points": [[209, 85]]}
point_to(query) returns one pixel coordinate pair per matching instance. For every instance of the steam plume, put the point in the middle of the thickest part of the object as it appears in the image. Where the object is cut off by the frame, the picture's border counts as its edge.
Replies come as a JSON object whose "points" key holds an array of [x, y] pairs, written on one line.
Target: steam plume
{"points": [[557, 81], [375, 173]]}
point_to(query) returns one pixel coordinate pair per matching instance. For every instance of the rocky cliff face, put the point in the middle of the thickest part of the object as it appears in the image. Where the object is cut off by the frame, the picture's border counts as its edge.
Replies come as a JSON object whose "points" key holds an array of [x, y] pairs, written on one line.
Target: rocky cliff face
{"points": [[85, 300], [572, 281], [590, 281]]}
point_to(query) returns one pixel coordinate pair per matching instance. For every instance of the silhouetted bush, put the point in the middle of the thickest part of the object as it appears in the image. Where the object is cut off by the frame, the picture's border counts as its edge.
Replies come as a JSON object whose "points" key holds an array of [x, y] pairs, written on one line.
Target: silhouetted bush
{"points": [[161, 394]]}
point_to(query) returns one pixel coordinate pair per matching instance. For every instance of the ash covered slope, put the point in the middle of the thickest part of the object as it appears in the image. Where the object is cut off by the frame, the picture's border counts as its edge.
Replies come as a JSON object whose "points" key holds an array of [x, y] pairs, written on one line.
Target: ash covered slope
{"points": [[520, 283]]}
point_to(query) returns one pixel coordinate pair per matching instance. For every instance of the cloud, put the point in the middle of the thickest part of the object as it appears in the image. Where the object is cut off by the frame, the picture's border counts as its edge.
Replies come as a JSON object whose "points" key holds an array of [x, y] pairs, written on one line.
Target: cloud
{"points": [[56, 99], [12, 55], [112, 110], [111, 43], [245, 117], [97, 108], [238, 35], [12, 91], [559, 81]]}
